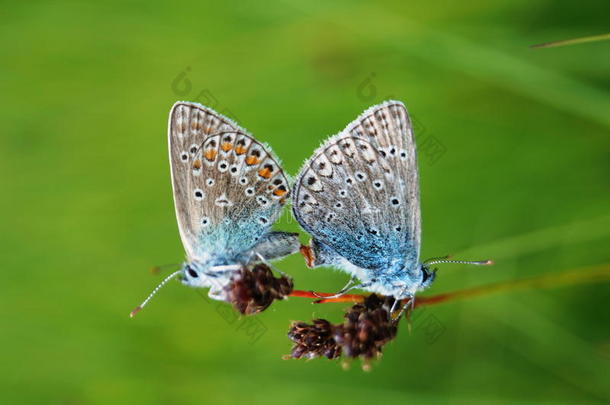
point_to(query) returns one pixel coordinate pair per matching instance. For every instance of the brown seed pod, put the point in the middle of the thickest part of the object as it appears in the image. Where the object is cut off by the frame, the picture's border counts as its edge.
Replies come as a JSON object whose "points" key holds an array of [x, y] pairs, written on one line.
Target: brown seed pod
{"points": [[253, 290], [315, 340], [366, 329]]}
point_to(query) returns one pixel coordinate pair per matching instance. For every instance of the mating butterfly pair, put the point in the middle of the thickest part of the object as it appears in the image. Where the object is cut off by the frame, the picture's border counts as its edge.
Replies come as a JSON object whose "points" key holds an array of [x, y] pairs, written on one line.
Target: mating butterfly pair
{"points": [[357, 196]]}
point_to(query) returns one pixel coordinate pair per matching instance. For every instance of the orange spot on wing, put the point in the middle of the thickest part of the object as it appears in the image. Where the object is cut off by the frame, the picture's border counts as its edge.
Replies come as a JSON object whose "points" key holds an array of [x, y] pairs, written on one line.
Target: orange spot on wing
{"points": [[210, 154], [197, 164], [240, 150], [226, 146], [279, 192], [251, 160], [266, 173]]}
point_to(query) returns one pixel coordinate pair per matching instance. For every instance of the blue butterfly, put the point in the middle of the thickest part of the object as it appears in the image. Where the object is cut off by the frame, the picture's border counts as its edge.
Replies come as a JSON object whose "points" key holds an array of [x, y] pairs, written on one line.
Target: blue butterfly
{"points": [[358, 197], [228, 190]]}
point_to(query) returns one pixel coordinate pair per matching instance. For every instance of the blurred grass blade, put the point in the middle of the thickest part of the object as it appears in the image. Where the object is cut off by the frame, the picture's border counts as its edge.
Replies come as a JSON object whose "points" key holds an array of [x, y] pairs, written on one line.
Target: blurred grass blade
{"points": [[573, 41], [595, 274], [537, 240]]}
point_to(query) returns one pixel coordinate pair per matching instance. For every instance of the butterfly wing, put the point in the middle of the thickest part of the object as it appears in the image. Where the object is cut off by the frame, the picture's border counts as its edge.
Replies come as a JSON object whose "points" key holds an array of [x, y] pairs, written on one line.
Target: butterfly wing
{"points": [[228, 188], [388, 127], [359, 193]]}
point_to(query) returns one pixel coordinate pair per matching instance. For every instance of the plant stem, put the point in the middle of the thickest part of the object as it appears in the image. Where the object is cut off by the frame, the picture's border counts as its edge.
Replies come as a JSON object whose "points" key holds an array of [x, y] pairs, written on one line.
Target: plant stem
{"points": [[593, 274], [572, 41]]}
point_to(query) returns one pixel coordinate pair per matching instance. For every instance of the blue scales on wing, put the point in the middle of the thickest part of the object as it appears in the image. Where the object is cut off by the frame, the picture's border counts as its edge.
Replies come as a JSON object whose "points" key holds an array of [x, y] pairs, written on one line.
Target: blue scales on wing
{"points": [[228, 189], [358, 196]]}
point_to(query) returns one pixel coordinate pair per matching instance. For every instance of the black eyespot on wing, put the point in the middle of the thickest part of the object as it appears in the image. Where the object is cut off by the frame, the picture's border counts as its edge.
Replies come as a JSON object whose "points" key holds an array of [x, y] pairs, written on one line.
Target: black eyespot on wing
{"points": [[311, 180], [192, 273]]}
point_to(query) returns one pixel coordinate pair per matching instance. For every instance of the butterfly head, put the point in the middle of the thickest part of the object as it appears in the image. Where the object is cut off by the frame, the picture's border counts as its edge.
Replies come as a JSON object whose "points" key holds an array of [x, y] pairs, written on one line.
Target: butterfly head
{"points": [[192, 274], [428, 276], [407, 282], [195, 274]]}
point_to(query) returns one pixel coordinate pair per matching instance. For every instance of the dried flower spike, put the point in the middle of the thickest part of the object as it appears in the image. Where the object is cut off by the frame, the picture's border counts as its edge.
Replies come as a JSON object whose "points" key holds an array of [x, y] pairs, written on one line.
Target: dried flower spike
{"points": [[315, 340], [366, 329], [252, 290]]}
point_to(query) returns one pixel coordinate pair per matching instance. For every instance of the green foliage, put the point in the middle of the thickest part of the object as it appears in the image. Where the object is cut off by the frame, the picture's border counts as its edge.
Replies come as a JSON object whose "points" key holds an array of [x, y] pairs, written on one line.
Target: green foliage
{"points": [[86, 89]]}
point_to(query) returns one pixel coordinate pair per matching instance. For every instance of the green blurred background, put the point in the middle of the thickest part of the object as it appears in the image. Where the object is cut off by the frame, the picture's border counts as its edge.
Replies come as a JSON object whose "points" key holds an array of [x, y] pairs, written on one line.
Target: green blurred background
{"points": [[516, 168]]}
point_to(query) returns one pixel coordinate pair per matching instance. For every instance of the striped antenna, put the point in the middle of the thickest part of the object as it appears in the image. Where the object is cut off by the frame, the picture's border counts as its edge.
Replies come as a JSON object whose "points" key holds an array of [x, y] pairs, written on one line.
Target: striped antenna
{"points": [[152, 294], [445, 260]]}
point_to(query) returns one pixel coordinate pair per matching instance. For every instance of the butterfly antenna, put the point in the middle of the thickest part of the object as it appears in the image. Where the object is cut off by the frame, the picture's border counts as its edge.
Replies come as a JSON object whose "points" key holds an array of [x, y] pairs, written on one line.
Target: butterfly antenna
{"points": [[430, 262], [152, 294]]}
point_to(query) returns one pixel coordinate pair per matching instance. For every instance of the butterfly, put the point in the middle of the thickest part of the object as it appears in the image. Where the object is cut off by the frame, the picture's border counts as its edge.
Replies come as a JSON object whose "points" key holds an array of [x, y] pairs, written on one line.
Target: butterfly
{"points": [[228, 190], [358, 198]]}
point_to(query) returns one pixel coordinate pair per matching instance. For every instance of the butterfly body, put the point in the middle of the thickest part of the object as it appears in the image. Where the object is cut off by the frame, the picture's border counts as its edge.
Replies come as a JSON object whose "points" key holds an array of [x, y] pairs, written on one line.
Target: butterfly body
{"points": [[228, 190], [358, 197]]}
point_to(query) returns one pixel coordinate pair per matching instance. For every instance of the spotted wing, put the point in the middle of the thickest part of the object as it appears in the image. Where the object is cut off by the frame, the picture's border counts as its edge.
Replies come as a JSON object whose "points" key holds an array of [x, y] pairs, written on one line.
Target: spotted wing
{"points": [[388, 127], [228, 188], [359, 192]]}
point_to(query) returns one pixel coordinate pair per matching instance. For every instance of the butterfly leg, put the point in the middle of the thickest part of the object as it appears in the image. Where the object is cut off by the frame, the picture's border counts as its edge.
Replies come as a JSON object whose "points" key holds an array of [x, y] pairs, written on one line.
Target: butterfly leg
{"points": [[262, 259], [348, 286], [276, 244], [410, 305]]}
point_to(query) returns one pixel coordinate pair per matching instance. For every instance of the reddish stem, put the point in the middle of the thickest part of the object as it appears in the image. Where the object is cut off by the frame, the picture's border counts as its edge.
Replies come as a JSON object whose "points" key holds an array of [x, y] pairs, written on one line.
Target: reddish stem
{"points": [[599, 273], [354, 298]]}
